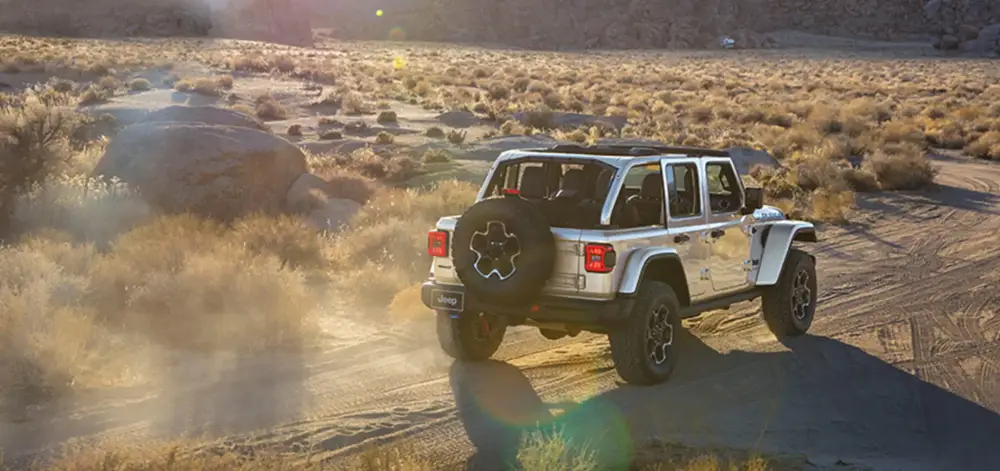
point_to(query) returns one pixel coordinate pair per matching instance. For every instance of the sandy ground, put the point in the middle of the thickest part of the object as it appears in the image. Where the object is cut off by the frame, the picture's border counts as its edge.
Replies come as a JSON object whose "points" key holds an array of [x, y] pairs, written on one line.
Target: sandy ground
{"points": [[900, 370]]}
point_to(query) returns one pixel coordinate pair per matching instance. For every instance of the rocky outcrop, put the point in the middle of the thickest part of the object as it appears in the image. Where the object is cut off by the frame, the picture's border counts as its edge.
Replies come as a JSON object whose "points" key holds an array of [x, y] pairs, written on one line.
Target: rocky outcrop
{"points": [[971, 40], [211, 170]]}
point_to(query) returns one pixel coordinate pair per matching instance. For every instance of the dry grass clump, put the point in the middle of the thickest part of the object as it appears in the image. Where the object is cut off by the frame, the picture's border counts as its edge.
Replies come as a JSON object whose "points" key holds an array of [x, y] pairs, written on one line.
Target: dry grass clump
{"points": [[385, 249], [388, 166], [208, 86]]}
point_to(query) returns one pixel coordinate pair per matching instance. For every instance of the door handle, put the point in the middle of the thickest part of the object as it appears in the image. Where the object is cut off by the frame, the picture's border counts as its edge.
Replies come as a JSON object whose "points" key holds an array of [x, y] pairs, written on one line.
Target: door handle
{"points": [[682, 238], [718, 233]]}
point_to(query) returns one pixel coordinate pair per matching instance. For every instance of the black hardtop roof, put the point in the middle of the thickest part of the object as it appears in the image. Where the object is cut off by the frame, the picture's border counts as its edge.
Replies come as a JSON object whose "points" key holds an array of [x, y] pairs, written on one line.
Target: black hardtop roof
{"points": [[625, 150]]}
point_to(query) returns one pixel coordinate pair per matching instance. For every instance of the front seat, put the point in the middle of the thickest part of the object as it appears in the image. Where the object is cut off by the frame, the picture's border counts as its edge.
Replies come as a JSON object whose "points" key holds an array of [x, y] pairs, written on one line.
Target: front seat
{"points": [[649, 202], [565, 210]]}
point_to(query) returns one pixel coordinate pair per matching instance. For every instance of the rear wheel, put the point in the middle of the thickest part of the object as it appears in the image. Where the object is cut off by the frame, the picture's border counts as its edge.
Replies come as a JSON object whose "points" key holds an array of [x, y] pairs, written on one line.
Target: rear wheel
{"points": [[471, 336], [643, 346]]}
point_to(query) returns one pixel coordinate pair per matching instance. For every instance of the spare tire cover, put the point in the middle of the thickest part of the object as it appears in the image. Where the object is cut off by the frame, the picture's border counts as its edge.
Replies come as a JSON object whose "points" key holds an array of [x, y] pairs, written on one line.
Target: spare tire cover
{"points": [[504, 250]]}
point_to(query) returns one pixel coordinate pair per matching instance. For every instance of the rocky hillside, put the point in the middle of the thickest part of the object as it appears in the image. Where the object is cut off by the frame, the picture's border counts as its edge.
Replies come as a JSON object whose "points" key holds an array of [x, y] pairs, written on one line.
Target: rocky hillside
{"points": [[527, 23], [273, 20], [648, 23]]}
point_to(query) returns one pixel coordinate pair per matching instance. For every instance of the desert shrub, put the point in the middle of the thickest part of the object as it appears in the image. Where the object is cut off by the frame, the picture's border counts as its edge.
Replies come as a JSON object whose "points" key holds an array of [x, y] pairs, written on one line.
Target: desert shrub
{"points": [[387, 117], [343, 183], [48, 341], [384, 138], [541, 118], [432, 156], [226, 298], [385, 249], [292, 240], [331, 135], [34, 144], [456, 137], [904, 168], [831, 205], [267, 107], [354, 103], [139, 85], [89, 210], [986, 146], [543, 451], [388, 167]]}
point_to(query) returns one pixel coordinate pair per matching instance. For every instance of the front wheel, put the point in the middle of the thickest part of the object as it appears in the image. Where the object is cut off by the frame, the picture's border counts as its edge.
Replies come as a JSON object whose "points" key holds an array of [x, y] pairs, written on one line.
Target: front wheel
{"points": [[472, 336], [643, 346], [788, 307]]}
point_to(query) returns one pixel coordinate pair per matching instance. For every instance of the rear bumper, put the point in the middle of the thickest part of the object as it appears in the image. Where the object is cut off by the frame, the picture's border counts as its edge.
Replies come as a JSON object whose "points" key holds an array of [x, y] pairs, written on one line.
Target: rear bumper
{"points": [[456, 300]]}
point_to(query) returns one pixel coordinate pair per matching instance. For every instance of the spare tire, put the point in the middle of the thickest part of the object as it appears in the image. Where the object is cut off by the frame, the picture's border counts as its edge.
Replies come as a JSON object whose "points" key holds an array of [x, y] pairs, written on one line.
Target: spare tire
{"points": [[504, 250]]}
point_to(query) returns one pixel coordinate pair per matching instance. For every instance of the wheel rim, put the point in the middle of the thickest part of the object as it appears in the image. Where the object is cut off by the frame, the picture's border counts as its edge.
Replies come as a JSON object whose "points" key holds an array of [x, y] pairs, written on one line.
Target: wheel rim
{"points": [[496, 251], [801, 295], [660, 335]]}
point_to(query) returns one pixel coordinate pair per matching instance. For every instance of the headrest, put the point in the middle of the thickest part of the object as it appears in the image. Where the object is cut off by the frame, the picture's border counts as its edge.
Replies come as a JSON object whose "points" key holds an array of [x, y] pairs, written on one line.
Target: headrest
{"points": [[652, 186], [572, 184], [533, 182], [603, 185]]}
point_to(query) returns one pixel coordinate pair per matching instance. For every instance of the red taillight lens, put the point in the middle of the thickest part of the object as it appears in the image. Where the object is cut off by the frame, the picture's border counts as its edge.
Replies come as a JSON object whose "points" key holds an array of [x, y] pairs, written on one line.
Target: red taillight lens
{"points": [[437, 244], [599, 258]]}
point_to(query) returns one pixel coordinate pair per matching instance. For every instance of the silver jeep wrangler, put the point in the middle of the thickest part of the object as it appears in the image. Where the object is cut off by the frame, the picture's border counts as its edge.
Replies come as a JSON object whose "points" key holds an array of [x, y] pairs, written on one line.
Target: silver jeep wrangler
{"points": [[614, 239]]}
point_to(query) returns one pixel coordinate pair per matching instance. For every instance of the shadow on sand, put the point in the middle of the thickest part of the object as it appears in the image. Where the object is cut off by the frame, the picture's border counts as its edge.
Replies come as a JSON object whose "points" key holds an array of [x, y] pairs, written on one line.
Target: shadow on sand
{"points": [[824, 399]]}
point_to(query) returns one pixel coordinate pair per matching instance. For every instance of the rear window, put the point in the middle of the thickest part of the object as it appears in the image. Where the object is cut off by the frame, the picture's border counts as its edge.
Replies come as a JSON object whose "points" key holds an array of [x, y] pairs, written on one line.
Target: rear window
{"points": [[548, 179], [570, 192]]}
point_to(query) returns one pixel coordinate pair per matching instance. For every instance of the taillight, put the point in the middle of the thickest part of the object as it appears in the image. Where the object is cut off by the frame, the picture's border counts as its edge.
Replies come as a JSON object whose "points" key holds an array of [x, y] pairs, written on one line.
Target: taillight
{"points": [[437, 244], [599, 258]]}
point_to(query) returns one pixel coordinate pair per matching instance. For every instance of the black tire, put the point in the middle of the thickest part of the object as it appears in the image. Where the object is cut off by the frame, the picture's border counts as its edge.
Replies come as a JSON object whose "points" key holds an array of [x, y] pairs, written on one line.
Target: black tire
{"points": [[519, 278], [464, 339], [787, 309], [631, 347]]}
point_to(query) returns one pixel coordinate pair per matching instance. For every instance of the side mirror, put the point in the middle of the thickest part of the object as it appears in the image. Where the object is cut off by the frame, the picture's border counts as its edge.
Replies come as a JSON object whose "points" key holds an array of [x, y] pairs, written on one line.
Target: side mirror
{"points": [[754, 200]]}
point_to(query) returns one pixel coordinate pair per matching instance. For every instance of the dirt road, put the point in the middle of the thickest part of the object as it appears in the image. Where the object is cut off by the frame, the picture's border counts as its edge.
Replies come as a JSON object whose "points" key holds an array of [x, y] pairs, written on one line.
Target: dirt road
{"points": [[901, 370]]}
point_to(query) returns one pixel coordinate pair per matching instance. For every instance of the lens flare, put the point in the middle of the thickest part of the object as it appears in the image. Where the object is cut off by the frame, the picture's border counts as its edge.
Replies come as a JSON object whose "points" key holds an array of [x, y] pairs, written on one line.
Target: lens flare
{"points": [[378, 12]]}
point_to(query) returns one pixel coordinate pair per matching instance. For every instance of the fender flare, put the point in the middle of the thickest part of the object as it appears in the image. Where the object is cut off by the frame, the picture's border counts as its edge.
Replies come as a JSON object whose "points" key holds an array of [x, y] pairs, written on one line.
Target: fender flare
{"points": [[779, 240], [635, 266]]}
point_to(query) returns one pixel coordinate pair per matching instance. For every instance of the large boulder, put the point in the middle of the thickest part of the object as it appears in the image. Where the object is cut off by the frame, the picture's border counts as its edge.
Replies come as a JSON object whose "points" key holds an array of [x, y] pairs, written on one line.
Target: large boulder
{"points": [[205, 115], [211, 170]]}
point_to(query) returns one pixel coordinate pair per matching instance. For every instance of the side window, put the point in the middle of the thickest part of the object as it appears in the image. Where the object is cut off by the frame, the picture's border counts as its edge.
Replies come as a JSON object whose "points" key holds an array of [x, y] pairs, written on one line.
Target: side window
{"points": [[683, 195], [640, 202], [723, 188]]}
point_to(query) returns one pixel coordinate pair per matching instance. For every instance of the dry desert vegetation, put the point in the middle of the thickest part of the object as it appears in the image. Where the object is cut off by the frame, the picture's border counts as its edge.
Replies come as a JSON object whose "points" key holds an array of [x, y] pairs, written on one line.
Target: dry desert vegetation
{"points": [[99, 286]]}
